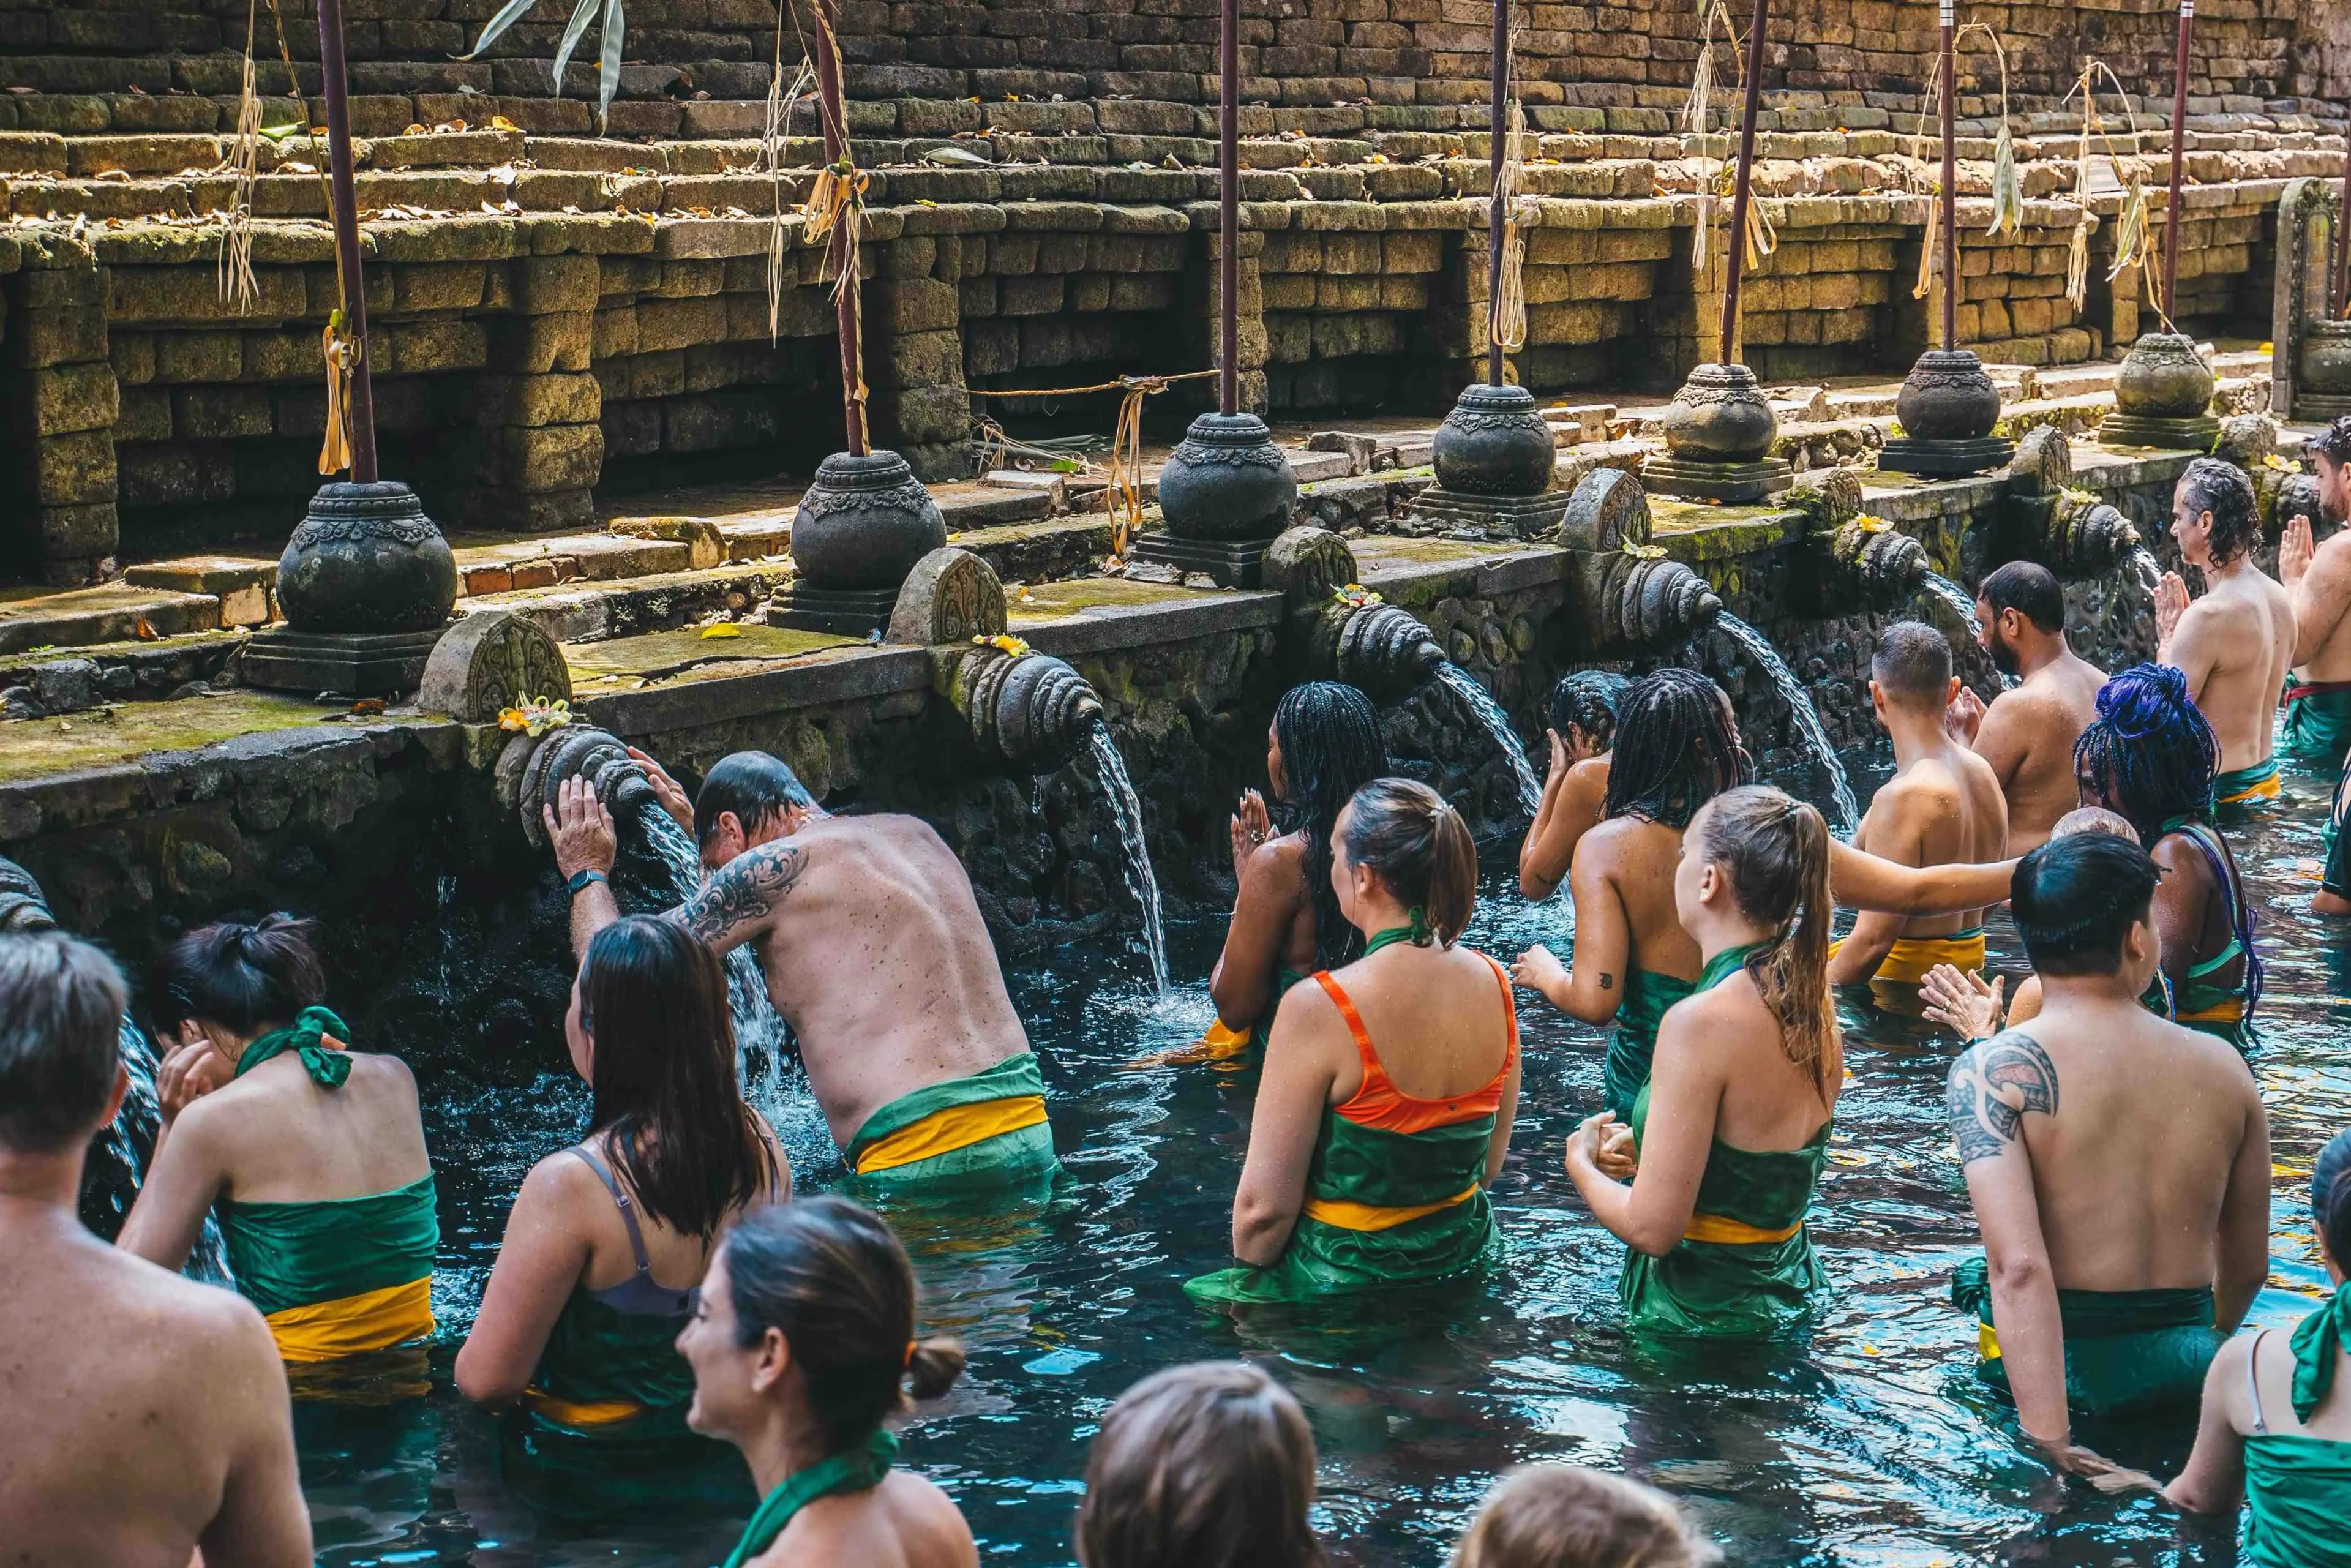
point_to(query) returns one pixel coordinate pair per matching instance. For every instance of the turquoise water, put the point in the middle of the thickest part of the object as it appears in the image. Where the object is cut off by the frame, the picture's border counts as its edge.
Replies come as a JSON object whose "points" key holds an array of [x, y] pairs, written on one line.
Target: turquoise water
{"points": [[1868, 1442]]}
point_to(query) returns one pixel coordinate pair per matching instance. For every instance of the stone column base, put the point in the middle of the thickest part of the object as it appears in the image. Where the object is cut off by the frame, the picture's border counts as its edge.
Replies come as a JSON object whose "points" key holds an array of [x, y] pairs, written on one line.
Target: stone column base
{"points": [[1736, 484], [1945, 458], [2195, 434], [1519, 517]]}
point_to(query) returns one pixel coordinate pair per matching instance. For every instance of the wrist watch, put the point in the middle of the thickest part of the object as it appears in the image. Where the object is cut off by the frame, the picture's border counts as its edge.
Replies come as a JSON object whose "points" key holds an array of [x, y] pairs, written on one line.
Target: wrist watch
{"points": [[580, 879]]}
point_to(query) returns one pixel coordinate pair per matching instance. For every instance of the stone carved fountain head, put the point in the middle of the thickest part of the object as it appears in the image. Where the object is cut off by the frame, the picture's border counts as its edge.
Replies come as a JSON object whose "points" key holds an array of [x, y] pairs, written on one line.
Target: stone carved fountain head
{"points": [[1628, 595], [1025, 709], [24, 909], [531, 770], [1342, 631]]}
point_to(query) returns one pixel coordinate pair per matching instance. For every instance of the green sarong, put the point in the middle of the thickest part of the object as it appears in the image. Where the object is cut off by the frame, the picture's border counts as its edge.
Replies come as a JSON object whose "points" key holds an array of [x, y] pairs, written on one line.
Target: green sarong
{"points": [[602, 1429], [1746, 1265], [2297, 1487], [2124, 1348], [2243, 787], [2316, 728], [299, 1254], [1633, 1045], [1352, 1236], [986, 1131]]}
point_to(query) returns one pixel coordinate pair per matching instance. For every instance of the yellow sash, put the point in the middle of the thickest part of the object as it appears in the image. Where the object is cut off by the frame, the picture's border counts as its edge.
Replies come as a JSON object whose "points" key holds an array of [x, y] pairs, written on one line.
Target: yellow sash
{"points": [[950, 1128], [1987, 1343], [574, 1413], [2265, 787], [1725, 1231], [1222, 1044], [349, 1325], [1350, 1216], [1907, 961], [2230, 1012]]}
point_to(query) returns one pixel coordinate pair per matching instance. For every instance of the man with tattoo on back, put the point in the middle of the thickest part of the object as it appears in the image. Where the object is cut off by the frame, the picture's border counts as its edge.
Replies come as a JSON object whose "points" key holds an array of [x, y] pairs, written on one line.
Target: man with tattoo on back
{"points": [[2119, 1163], [875, 953]]}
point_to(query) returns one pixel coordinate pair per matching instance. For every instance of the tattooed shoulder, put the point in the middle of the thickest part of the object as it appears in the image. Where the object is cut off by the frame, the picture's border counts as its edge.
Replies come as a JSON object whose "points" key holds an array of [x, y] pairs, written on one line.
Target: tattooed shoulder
{"points": [[1992, 1084], [748, 888]]}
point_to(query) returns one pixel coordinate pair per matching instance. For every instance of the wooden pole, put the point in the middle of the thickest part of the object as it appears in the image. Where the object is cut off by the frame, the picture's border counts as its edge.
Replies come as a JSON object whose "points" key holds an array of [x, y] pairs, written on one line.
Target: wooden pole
{"points": [[840, 255], [1229, 210], [1500, 122], [1949, 196], [1740, 190], [2172, 226], [335, 84]]}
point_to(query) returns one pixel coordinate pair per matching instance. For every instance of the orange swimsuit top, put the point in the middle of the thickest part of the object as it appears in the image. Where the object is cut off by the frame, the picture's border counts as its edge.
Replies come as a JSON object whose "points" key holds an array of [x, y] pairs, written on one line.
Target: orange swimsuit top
{"points": [[1380, 1103]]}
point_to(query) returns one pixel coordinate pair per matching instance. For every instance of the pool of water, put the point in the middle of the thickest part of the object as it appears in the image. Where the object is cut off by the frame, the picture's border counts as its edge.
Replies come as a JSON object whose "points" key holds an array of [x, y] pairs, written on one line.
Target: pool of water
{"points": [[1866, 1441]]}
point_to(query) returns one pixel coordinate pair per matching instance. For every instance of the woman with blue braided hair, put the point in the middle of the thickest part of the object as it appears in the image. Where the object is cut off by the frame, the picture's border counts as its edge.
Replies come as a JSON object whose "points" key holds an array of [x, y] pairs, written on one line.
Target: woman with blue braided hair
{"points": [[2151, 757]]}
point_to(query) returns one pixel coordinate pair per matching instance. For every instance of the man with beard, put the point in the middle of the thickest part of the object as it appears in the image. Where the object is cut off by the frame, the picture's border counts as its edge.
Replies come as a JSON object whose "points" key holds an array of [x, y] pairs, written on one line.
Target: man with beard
{"points": [[2236, 643], [2028, 733], [2316, 727]]}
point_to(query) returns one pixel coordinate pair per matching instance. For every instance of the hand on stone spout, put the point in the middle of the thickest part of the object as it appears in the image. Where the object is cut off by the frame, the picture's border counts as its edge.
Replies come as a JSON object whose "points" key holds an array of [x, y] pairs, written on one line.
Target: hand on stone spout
{"points": [[580, 828], [1964, 716], [2296, 547], [2170, 604], [667, 791]]}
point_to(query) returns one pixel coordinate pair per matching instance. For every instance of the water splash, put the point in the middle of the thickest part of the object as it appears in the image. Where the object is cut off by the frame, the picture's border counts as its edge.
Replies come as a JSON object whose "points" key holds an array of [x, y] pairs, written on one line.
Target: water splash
{"points": [[1800, 706], [762, 1040], [1136, 864], [2146, 568], [1497, 724], [118, 1165], [1961, 600]]}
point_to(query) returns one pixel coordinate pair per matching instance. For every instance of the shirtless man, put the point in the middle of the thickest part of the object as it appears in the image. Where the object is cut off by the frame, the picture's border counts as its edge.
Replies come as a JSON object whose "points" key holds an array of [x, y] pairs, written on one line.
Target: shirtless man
{"points": [[2237, 641], [148, 1414], [2028, 733], [875, 953], [1942, 807], [2119, 1163], [2317, 723]]}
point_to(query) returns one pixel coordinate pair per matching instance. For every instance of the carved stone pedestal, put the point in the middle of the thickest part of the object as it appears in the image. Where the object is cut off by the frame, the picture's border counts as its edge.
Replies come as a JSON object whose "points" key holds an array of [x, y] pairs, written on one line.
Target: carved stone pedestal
{"points": [[366, 582]]}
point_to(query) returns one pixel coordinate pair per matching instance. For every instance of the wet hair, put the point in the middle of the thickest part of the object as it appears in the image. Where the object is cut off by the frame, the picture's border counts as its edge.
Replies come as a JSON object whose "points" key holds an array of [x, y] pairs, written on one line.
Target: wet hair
{"points": [[1775, 850], [2094, 820], [1330, 747], [1912, 665], [241, 979], [653, 1001], [1206, 1466], [1588, 699], [2149, 755], [2075, 897], [2330, 1195], [61, 1003], [831, 1276], [1676, 748], [756, 787], [2334, 442], [1412, 838], [2031, 589], [1563, 1515], [2210, 484]]}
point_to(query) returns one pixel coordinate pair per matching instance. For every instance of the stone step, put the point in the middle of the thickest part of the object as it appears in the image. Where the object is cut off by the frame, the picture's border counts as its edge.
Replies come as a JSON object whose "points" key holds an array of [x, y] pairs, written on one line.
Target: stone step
{"points": [[33, 618]]}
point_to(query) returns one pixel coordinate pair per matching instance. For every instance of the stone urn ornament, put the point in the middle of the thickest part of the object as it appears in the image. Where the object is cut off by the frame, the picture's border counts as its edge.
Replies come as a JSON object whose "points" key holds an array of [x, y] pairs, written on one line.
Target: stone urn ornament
{"points": [[1496, 466], [2322, 385], [367, 584]]}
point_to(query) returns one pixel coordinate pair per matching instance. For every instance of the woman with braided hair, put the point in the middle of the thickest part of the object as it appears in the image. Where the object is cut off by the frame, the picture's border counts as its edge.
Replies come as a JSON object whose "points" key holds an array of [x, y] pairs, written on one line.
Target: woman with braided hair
{"points": [[2151, 757], [1322, 746], [1582, 731], [1729, 1134]]}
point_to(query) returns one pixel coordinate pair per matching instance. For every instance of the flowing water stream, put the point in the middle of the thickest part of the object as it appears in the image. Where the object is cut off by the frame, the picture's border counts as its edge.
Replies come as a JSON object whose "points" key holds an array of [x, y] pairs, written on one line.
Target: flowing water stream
{"points": [[763, 1042], [1961, 599], [118, 1163], [1497, 724], [1135, 859], [1817, 744]]}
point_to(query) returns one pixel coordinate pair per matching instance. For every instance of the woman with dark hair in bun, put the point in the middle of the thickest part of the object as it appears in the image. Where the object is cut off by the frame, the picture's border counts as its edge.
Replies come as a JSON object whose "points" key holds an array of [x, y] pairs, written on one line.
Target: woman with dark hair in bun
{"points": [[802, 1346], [1389, 1087], [2277, 1411], [312, 1152]]}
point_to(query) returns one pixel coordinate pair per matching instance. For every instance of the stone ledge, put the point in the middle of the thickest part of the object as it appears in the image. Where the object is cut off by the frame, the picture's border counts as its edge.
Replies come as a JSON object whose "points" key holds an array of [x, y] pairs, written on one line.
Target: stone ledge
{"points": [[854, 674]]}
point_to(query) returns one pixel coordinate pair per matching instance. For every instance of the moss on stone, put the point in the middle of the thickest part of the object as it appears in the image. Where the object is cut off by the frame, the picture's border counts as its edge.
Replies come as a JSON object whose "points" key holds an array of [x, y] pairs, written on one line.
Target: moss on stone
{"points": [[104, 737], [1050, 601], [621, 662]]}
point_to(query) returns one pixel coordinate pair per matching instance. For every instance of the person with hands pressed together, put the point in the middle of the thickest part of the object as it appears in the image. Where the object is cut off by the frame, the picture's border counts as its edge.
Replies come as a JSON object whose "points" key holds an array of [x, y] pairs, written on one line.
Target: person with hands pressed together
{"points": [[1322, 746], [1576, 790], [2236, 643], [875, 953], [1389, 1087], [2316, 724], [2118, 1164], [1732, 1130], [312, 1154], [2027, 735]]}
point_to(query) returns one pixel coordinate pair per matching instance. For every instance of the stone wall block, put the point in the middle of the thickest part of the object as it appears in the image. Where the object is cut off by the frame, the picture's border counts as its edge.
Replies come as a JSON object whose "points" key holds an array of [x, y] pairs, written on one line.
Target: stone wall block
{"points": [[74, 469], [536, 345], [544, 399], [68, 398]]}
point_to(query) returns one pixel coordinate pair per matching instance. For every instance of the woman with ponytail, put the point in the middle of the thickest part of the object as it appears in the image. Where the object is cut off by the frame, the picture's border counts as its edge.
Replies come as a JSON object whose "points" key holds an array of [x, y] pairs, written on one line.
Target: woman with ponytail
{"points": [[1389, 1086], [1729, 1134], [312, 1154], [802, 1346], [2277, 1411]]}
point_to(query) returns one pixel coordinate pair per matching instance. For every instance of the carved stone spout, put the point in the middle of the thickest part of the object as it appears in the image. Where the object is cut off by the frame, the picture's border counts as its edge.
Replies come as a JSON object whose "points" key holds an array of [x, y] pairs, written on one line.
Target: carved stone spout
{"points": [[531, 770], [2087, 535], [1030, 710], [1880, 566], [23, 908], [1628, 595], [1342, 632]]}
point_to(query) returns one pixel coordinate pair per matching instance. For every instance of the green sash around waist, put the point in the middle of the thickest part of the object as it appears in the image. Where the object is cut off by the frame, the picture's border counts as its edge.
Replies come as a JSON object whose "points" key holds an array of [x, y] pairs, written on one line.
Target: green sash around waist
{"points": [[1633, 1045], [2124, 1348], [2316, 727], [2297, 1499], [986, 1130], [1364, 1179], [297, 1254]]}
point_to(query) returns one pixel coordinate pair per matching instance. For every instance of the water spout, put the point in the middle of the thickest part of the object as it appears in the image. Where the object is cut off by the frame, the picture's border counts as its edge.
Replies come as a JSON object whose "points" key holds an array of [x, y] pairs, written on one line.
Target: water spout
{"points": [[763, 1042], [1881, 565], [2085, 535], [1030, 710], [1497, 725], [535, 771], [1383, 650], [1800, 706], [1963, 604], [1140, 881]]}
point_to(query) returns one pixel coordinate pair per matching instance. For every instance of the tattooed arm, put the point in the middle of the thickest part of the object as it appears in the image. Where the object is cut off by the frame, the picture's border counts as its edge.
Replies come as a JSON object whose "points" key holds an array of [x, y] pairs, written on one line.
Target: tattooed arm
{"points": [[742, 897], [1603, 943], [1991, 1087]]}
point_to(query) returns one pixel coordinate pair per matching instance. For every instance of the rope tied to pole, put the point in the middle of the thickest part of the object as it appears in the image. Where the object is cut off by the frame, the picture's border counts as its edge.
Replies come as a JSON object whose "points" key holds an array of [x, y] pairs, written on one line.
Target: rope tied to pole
{"points": [[1126, 439], [2133, 240], [1520, 211], [341, 352]]}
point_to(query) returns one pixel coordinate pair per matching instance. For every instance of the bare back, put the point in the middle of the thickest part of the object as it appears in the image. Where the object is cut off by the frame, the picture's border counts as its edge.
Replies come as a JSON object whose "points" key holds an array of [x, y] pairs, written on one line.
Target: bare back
{"points": [[2028, 736], [284, 1139], [1634, 859], [905, 1523], [148, 1414], [2236, 644], [875, 953], [1944, 807], [1731, 1041]]}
